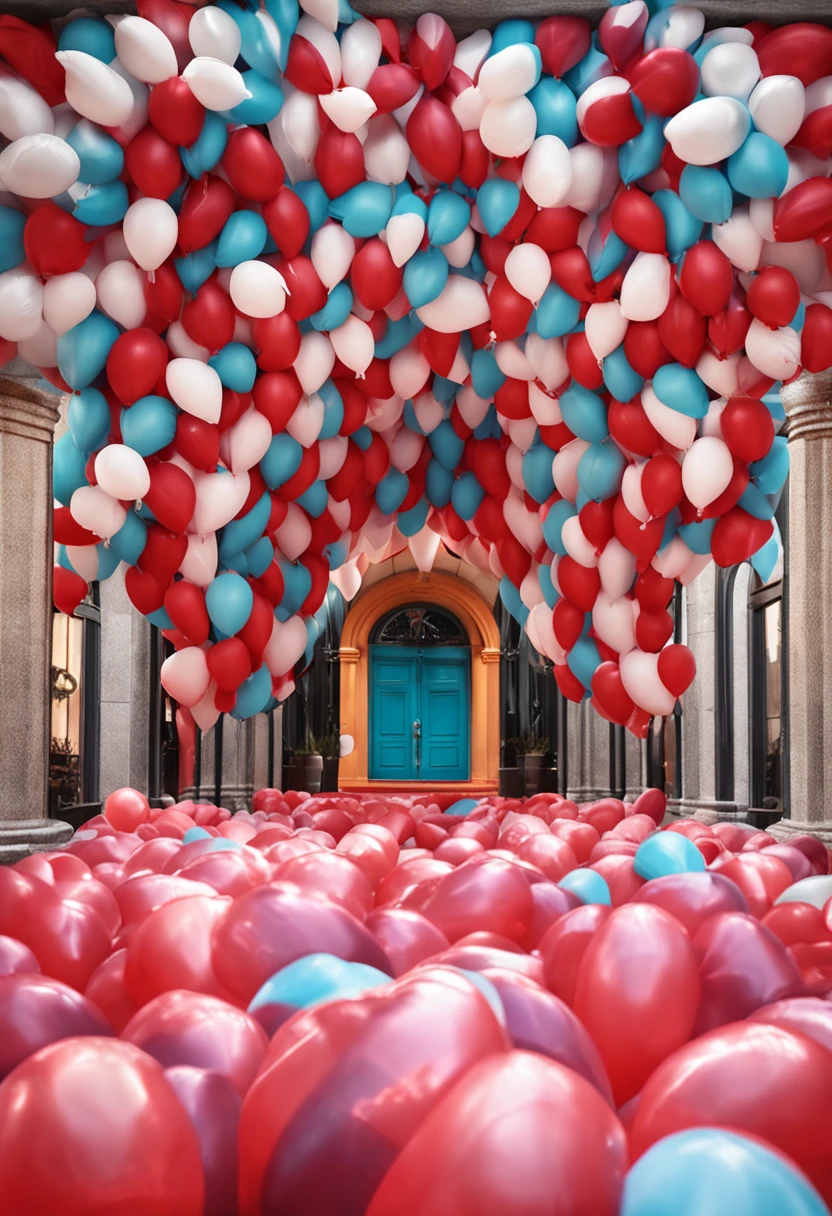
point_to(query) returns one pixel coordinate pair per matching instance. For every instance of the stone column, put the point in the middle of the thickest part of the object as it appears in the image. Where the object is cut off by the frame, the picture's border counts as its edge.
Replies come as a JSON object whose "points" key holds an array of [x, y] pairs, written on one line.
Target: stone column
{"points": [[27, 422], [237, 764], [588, 737], [808, 405]]}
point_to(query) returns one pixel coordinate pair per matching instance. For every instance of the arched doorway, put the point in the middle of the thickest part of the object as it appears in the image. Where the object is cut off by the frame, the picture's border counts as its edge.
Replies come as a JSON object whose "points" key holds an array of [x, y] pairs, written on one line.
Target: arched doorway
{"points": [[420, 696], [439, 667]]}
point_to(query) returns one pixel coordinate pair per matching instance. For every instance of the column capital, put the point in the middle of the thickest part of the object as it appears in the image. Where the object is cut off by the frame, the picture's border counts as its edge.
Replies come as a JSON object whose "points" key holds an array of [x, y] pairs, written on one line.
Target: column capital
{"points": [[27, 411], [808, 406]]}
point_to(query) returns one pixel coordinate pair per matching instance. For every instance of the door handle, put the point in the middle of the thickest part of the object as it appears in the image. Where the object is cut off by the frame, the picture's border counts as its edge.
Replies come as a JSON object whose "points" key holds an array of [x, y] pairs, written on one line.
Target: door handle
{"points": [[417, 735]]}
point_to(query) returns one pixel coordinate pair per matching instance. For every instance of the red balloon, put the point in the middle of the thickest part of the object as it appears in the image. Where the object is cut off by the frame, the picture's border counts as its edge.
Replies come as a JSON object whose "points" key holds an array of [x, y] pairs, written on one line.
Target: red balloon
{"points": [[209, 318], [637, 220], [737, 536], [175, 112], [213, 1107], [583, 366], [276, 342], [153, 164], [339, 161], [306, 292], [693, 899], [773, 296], [54, 241], [432, 59], [569, 684], [665, 80], [253, 166], [804, 212], [565, 944], [407, 938], [306, 67], [392, 85], [642, 539], [760, 1080], [491, 895], [163, 554], [761, 879], [610, 120], [136, 360], [510, 312], [727, 331], [515, 560], [163, 292], [653, 629], [801, 49], [198, 441], [185, 605], [610, 692], [683, 330], [172, 495], [287, 220], [36, 1011], [677, 667], [435, 138], [644, 349], [579, 584], [16, 959], [375, 278], [661, 484], [125, 809], [476, 160], [229, 663], [808, 1015], [206, 207], [816, 339], [631, 428], [795, 923], [562, 42], [706, 279], [747, 428], [171, 948], [68, 589], [31, 51]]}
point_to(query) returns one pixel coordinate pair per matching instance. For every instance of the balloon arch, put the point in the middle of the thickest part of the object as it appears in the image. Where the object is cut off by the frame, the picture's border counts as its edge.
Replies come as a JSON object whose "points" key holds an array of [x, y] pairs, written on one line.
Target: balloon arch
{"points": [[320, 290]]}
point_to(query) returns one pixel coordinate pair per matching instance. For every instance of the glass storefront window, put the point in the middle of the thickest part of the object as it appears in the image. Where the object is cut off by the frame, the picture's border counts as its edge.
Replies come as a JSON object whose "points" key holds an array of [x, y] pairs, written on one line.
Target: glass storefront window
{"points": [[65, 773]]}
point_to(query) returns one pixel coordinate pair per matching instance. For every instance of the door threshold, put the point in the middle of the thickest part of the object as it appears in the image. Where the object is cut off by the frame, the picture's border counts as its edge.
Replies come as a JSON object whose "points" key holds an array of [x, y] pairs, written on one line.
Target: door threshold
{"points": [[470, 788]]}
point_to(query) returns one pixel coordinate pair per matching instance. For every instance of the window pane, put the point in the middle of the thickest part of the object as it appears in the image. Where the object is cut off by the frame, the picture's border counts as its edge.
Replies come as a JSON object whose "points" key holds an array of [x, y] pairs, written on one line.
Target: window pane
{"points": [[65, 746], [769, 686]]}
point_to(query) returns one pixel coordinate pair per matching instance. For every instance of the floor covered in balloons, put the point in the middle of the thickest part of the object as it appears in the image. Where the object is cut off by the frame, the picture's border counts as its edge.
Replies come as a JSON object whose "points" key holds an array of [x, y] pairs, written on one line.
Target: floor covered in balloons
{"points": [[340, 1005]]}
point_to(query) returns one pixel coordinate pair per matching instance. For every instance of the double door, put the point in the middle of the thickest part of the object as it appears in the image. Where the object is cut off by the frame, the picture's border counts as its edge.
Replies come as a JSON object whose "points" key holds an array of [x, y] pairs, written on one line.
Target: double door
{"points": [[420, 713]]}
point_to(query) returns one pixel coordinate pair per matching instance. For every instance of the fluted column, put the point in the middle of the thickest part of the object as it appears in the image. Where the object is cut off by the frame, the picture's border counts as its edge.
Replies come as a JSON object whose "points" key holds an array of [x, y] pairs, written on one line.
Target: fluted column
{"points": [[808, 405], [589, 753], [27, 422]]}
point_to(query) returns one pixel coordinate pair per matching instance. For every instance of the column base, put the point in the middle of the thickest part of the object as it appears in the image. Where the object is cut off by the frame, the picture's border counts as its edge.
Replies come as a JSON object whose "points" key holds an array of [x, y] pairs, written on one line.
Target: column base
{"points": [[785, 829], [587, 793], [22, 837], [706, 811], [234, 797]]}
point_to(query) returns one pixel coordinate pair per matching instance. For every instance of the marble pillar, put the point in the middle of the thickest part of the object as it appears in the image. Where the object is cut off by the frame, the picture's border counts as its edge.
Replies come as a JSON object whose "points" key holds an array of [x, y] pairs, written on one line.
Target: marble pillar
{"points": [[27, 421], [588, 737], [125, 690], [808, 405]]}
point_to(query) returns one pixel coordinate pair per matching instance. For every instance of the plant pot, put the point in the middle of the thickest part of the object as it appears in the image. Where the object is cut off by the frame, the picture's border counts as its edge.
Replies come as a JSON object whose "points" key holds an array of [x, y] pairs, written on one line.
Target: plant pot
{"points": [[548, 782], [510, 783], [304, 773], [532, 769], [329, 779]]}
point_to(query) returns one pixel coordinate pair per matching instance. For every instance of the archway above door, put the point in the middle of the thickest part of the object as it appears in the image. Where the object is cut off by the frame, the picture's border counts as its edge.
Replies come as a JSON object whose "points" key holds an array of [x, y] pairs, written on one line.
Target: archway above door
{"points": [[474, 613]]}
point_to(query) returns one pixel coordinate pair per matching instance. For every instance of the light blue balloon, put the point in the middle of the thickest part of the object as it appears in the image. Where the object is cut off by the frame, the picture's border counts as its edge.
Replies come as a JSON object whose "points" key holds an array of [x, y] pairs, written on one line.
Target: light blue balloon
{"points": [[256, 48], [281, 461], [706, 193], [196, 833], [236, 367], [584, 413], [336, 310], [556, 517], [220, 844], [253, 694], [264, 104], [102, 205], [314, 499], [697, 536], [557, 313], [229, 599], [642, 154], [240, 534], [315, 200], [755, 503], [710, 1170], [760, 168], [497, 201], [392, 490], [462, 806], [556, 109], [466, 496], [605, 254], [774, 405], [448, 217], [297, 583], [486, 376], [771, 472], [537, 472], [509, 33], [315, 979], [397, 335], [412, 521], [593, 67], [589, 886], [88, 417], [600, 471], [446, 445], [159, 618], [680, 389], [619, 377], [439, 484], [364, 210], [108, 562], [259, 557], [285, 14], [512, 602], [333, 410], [544, 578], [667, 853], [12, 251], [583, 661], [242, 239], [130, 540], [681, 228], [92, 35], [765, 560], [207, 149], [409, 203], [101, 157], [197, 267], [83, 350], [425, 275]]}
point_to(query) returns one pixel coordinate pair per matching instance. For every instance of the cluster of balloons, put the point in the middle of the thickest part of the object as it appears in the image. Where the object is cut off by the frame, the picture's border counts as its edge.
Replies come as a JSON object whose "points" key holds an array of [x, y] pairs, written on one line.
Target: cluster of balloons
{"points": [[416, 1006], [321, 291]]}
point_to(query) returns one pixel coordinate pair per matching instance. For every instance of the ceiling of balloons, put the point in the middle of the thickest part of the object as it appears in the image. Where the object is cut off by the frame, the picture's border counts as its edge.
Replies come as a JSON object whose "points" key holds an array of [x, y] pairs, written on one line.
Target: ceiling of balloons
{"points": [[323, 288]]}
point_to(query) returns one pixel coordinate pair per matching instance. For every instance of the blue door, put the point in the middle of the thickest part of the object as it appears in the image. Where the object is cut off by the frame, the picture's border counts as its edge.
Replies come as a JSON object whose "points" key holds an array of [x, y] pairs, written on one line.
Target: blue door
{"points": [[420, 713]]}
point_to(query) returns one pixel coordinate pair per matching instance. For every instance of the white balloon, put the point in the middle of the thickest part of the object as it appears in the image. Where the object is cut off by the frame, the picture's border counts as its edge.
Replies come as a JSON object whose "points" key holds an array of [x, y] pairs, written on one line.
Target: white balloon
{"points": [[777, 106], [614, 622], [40, 349], [295, 533], [141, 99], [315, 361], [605, 328], [332, 252], [617, 568], [592, 172], [286, 645], [815, 890], [731, 69], [673, 559], [22, 109], [599, 91], [640, 677], [145, 50], [151, 230], [424, 547], [333, 453], [183, 346], [38, 166], [248, 440], [680, 27], [387, 156], [360, 52], [739, 240], [215, 84], [678, 429], [305, 423], [196, 388], [21, 303], [257, 289], [512, 361], [214, 34], [547, 172], [404, 236], [528, 270], [95, 90], [645, 292], [409, 371], [300, 124], [325, 11], [776, 352], [199, 565], [631, 491], [804, 259], [122, 472], [710, 425], [510, 73], [473, 409], [508, 128], [205, 712], [761, 214], [324, 42], [709, 130], [347, 579], [468, 108], [185, 675], [722, 375], [576, 544], [84, 560], [348, 108], [354, 344], [547, 357], [97, 511], [472, 52], [565, 468], [706, 470], [523, 432], [219, 497], [460, 251], [461, 304], [530, 592], [120, 291], [406, 449]]}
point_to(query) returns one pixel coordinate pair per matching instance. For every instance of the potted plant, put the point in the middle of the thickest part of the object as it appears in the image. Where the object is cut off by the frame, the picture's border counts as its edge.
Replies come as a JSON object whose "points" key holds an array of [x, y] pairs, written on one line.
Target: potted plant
{"points": [[330, 748], [305, 767], [531, 752]]}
